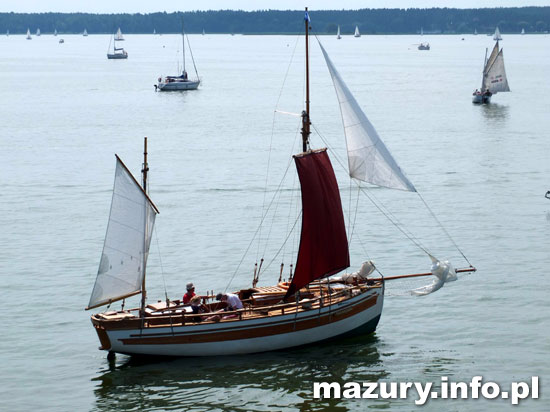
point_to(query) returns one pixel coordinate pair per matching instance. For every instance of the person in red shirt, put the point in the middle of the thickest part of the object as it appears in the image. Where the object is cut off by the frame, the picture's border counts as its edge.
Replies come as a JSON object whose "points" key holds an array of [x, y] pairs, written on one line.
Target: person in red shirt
{"points": [[190, 293]]}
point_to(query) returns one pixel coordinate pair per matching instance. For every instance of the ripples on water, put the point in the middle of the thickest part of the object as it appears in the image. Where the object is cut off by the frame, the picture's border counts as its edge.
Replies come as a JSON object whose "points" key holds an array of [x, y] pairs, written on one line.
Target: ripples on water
{"points": [[483, 170]]}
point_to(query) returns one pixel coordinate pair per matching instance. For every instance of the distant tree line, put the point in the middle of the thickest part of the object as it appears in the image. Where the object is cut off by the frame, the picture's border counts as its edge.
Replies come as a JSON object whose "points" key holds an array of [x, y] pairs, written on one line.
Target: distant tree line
{"points": [[369, 21]]}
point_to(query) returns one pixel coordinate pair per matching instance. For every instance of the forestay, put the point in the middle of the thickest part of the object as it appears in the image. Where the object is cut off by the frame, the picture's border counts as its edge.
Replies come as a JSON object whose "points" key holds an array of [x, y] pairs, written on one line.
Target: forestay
{"points": [[126, 246], [368, 157]]}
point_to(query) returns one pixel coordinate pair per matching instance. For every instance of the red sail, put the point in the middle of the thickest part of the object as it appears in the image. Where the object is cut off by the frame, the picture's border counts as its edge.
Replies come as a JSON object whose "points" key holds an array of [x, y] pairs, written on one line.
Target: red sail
{"points": [[323, 242]]}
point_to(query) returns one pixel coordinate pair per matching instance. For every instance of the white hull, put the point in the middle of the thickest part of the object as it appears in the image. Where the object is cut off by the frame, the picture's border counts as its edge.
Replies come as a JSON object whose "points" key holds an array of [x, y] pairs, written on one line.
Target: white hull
{"points": [[359, 314], [178, 85]]}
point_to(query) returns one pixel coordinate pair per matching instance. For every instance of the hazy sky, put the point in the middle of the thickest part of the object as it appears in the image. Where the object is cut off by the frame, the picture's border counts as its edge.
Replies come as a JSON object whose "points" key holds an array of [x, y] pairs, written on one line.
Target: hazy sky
{"points": [[143, 6]]}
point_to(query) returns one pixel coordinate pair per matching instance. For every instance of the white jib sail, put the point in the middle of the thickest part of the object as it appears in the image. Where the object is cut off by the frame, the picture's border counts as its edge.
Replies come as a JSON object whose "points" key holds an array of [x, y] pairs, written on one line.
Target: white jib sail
{"points": [[369, 159], [495, 75], [126, 246]]}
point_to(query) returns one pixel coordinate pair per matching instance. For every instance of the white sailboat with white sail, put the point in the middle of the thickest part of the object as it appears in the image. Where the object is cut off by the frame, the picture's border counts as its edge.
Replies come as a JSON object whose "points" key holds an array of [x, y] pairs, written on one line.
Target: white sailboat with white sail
{"points": [[313, 306], [85, 33], [38, 32], [29, 34], [356, 34], [118, 35], [497, 35], [118, 52], [338, 36], [494, 78], [55, 32], [181, 82]]}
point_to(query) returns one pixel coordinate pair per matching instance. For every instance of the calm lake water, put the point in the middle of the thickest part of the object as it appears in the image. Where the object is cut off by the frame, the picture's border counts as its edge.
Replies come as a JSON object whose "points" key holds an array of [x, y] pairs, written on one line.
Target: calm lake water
{"points": [[483, 170]]}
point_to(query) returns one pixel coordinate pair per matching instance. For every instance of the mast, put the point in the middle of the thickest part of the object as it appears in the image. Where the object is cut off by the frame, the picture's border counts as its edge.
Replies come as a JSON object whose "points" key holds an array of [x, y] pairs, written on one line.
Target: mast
{"points": [[483, 72], [183, 42], [305, 114], [144, 171]]}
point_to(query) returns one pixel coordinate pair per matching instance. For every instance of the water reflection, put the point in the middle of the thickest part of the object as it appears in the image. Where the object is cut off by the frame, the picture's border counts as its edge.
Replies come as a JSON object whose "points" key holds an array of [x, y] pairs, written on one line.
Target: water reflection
{"points": [[495, 114], [280, 380]]}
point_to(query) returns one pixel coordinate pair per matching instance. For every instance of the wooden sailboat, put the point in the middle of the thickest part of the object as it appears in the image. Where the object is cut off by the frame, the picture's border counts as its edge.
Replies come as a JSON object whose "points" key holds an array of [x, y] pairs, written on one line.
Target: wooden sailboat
{"points": [[313, 306], [494, 78], [181, 82]]}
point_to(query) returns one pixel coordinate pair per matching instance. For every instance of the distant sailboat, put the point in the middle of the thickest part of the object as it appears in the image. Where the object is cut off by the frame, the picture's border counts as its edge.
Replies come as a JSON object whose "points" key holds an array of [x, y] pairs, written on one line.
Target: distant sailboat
{"points": [[85, 33], [154, 31], [422, 31], [118, 35], [338, 34], [357, 34], [203, 32], [7, 33], [29, 34], [38, 32], [118, 52], [494, 77], [522, 31], [475, 32], [55, 32], [181, 82], [497, 35]]}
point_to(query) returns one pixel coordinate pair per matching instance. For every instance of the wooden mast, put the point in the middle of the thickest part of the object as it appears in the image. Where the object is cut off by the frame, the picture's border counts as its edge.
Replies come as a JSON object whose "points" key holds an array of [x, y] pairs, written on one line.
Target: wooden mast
{"points": [[305, 114], [144, 171]]}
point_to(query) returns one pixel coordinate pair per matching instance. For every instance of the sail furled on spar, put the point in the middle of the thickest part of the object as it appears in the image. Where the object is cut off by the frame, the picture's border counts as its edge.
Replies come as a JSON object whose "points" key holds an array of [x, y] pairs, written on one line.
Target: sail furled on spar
{"points": [[323, 247], [127, 241], [494, 74], [369, 159]]}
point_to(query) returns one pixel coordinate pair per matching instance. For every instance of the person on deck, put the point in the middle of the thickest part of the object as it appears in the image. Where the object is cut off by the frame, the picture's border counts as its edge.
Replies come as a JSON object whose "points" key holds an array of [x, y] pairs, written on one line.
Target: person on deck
{"points": [[190, 293], [198, 307], [232, 300]]}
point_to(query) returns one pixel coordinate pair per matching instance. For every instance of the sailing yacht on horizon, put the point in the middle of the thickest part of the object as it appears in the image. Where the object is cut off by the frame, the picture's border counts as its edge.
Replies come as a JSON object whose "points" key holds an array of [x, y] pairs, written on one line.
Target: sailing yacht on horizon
{"points": [[29, 34], [356, 34], [497, 35]]}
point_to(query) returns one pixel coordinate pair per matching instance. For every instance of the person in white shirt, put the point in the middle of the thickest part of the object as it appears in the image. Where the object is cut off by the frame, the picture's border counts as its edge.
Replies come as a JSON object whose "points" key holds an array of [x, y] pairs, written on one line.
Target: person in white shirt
{"points": [[233, 301]]}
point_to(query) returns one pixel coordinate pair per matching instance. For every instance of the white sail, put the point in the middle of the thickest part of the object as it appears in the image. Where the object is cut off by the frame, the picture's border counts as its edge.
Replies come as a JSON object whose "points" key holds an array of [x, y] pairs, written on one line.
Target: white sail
{"points": [[29, 34], [38, 32], [369, 159], [357, 34], [522, 31], [85, 32], [494, 75], [338, 34], [118, 35], [55, 32], [497, 35], [126, 246]]}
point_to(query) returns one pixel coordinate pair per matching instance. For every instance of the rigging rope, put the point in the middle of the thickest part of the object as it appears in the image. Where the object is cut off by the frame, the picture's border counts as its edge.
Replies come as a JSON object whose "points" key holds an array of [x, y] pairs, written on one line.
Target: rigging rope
{"points": [[259, 226], [378, 204], [192, 59], [271, 141]]}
